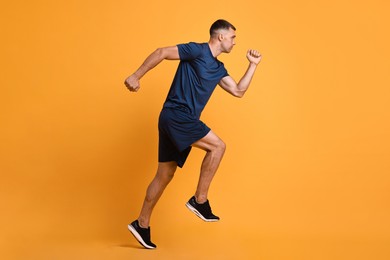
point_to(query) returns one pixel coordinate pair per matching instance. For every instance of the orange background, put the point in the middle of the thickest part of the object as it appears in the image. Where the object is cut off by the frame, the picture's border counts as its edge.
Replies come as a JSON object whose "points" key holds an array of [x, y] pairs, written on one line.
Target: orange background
{"points": [[306, 172]]}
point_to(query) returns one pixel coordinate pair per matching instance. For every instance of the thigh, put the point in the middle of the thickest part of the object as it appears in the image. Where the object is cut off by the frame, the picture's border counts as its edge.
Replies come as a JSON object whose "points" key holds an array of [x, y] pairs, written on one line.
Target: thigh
{"points": [[168, 152], [182, 129], [209, 142]]}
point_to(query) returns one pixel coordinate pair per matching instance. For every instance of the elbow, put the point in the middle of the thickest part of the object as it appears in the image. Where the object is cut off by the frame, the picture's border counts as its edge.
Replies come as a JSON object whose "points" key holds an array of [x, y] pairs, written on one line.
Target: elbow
{"points": [[160, 53], [238, 94]]}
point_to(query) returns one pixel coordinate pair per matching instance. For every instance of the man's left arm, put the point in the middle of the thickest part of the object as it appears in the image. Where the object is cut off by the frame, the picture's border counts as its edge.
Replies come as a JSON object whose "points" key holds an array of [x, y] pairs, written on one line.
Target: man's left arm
{"points": [[238, 90]]}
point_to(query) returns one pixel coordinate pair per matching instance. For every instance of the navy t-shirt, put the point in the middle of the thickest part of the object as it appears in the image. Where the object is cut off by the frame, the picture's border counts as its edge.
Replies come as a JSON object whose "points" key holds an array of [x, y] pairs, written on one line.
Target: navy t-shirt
{"points": [[196, 78]]}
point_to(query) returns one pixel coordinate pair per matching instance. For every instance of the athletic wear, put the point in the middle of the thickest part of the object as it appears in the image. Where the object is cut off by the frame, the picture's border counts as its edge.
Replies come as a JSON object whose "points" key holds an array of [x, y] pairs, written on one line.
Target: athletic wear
{"points": [[177, 131], [196, 77], [202, 210], [141, 234]]}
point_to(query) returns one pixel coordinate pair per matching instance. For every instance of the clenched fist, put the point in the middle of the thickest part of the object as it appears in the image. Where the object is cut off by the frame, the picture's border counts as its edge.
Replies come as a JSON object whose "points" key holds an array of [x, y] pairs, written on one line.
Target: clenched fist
{"points": [[253, 56], [132, 83]]}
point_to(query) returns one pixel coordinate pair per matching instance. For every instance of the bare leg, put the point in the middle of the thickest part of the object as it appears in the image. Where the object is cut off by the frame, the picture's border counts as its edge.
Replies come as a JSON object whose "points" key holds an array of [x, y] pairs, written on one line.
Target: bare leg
{"points": [[164, 175], [215, 149]]}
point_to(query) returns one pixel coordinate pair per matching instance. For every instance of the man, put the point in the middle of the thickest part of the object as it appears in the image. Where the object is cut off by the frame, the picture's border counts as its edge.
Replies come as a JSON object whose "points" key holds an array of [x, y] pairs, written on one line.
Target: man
{"points": [[180, 128]]}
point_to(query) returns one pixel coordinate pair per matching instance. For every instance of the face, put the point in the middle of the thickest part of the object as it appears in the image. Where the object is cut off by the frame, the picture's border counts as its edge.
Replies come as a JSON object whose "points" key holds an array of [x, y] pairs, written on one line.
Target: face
{"points": [[227, 38]]}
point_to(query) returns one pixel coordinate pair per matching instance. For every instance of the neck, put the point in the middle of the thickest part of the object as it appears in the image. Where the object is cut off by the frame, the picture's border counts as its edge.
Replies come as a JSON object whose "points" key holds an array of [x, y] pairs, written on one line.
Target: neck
{"points": [[215, 48]]}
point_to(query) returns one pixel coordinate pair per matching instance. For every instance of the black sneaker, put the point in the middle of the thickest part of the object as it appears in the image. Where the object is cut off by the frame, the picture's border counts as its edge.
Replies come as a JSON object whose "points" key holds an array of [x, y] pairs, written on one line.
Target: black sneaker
{"points": [[141, 234], [202, 210]]}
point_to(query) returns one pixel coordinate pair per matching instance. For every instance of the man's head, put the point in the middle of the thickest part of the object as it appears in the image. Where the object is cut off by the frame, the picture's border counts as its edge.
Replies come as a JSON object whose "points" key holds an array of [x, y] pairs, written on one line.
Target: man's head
{"points": [[223, 32]]}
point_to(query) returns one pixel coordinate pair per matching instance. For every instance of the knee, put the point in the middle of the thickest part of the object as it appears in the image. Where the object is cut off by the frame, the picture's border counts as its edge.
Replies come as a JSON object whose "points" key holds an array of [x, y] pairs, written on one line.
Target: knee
{"points": [[169, 174], [223, 145], [165, 176], [166, 173], [220, 146]]}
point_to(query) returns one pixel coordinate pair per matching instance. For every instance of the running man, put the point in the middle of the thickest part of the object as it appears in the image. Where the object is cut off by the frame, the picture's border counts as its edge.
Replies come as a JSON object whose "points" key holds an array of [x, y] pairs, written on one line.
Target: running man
{"points": [[180, 127]]}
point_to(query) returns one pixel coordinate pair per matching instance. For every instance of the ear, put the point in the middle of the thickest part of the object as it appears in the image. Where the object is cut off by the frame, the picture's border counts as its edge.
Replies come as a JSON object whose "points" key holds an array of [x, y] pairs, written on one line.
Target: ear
{"points": [[220, 37]]}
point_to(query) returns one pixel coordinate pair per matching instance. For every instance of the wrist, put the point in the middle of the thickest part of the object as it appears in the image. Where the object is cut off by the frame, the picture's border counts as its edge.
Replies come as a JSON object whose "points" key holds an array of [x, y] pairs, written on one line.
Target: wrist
{"points": [[137, 74]]}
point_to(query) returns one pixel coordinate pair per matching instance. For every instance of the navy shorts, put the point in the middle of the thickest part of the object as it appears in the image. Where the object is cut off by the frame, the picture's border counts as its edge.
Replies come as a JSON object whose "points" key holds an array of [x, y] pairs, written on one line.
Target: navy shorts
{"points": [[178, 130]]}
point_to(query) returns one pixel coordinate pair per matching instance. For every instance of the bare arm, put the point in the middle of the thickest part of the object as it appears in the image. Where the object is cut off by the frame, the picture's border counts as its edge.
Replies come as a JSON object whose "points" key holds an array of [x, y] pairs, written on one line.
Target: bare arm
{"points": [[238, 90], [168, 53]]}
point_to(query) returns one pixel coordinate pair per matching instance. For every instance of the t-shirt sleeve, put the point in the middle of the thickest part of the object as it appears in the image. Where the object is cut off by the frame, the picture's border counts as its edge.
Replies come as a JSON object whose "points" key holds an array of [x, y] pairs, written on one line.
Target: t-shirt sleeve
{"points": [[189, 51], [225, 74], [224, 71]]}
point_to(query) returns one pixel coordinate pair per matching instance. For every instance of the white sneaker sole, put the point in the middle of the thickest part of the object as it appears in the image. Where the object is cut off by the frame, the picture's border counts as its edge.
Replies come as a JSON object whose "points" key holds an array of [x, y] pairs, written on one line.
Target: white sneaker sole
{"points": [[138, 237], [198, 213]]}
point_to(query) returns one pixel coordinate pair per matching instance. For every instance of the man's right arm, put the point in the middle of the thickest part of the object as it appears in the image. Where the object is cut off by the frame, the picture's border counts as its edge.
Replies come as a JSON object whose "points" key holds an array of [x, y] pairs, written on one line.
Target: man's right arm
{"points": [[167, 53]]}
